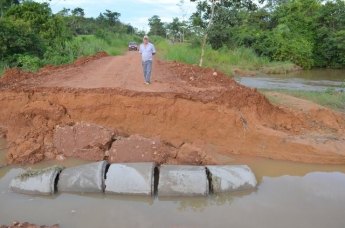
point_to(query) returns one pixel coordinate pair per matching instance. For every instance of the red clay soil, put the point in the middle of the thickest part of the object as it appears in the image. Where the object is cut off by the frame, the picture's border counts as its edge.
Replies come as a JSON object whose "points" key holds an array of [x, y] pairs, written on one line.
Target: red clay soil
{"points": [[190, 113]]}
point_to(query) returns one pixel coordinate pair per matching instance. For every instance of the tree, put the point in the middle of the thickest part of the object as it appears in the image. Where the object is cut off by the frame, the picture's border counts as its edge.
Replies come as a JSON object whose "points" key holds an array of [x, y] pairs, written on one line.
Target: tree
{"points": [[206, 11], [209, 23], [293, 38], [76, 20], [175, 29], [17, 38], [65, 12], [112, 17], [33, 13], [129, 29], [156, 26], [5, 5], [330, 35], [28, 30], [183, 25], [78, 12]]}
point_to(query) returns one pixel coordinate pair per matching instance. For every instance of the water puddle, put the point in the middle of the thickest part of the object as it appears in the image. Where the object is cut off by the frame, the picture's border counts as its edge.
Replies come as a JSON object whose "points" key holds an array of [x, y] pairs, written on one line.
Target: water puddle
{"points": [[313, 80], [288, 195]]}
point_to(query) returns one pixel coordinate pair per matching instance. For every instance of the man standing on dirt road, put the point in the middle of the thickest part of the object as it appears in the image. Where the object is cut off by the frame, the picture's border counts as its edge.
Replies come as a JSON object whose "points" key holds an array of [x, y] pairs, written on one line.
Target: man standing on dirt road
{"points": [[147, 50]]}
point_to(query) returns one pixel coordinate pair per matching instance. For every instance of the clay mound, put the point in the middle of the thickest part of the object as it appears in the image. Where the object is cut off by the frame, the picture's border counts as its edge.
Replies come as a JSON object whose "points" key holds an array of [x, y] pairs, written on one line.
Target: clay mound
{"points": [[14, 75], [82, 60], [30, 137], [222, 89], [199, 76], [83, 140], [139, 149]]}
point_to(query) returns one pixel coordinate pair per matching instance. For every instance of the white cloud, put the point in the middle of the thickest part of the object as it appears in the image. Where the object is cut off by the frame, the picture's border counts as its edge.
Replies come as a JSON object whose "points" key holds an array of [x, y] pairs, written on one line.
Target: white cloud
{"points": [[139, 22], [135, 12], [158, 2]]}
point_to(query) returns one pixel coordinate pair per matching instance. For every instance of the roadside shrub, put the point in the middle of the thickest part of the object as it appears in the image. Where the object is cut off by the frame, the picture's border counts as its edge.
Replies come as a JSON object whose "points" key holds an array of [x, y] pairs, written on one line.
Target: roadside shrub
{"points": [[17, 38], [3, 67], [29, 62], [285, 45]]}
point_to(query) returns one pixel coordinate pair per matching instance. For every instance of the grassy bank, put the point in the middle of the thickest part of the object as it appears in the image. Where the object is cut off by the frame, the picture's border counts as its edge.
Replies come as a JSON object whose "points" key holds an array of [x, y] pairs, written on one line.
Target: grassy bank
{"points": [[224, 59], [3, 66], [329, 98], [85, 45], [115, 44]]}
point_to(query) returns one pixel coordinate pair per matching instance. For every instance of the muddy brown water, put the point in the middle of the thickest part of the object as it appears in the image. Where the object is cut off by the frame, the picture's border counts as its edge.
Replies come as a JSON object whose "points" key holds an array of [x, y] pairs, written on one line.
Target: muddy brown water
{"points": [[288, 195], [311, 80]]}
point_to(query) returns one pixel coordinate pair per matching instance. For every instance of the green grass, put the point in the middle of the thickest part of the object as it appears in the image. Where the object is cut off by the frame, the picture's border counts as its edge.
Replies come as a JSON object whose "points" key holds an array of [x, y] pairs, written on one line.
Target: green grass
{"points": [[3, 66], [225, 60], [86, 45], [115, 44], [279, 68], [329, 98]]}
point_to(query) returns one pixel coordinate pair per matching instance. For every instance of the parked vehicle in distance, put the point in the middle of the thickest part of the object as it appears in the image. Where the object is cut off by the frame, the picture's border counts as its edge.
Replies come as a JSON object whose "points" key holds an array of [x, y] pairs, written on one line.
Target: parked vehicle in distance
{"points": [[132, 46]]}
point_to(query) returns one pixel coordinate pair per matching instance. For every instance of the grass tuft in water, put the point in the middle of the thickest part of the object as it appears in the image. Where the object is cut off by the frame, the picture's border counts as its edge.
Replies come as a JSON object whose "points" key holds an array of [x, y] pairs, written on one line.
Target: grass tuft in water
{"points": [[329, 98]]}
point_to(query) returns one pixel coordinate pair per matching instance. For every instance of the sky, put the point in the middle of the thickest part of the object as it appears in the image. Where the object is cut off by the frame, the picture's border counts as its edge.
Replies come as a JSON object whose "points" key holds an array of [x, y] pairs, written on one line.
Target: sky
{"points": [[134, 12]]}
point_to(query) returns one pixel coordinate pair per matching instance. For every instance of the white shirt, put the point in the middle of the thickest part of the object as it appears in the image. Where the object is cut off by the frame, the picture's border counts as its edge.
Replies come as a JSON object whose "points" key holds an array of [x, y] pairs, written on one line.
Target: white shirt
{"points": [[147, 52]]}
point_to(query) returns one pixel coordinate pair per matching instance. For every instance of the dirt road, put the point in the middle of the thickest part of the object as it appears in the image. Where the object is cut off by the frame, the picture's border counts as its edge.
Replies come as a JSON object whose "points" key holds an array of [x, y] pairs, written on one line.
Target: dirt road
{"points": [[193, 115], [114, 72]]}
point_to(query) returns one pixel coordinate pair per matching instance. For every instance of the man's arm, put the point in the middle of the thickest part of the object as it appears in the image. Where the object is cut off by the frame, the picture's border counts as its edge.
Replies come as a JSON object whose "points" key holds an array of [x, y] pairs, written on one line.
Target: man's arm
{"points": [[153, 50]]}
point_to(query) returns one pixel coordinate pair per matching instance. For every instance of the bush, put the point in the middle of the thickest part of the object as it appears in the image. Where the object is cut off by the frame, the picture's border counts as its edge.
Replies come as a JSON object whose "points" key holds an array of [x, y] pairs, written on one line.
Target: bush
{"points": [[282, 44], [29, 62], [61, 54], [17, 38], [224, 59], [3, 67]]}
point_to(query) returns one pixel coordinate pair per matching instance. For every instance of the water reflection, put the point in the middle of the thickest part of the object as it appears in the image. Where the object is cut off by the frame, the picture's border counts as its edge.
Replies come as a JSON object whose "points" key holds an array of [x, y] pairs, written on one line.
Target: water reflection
{"points": [[312, 80], [316, 74], [289, 194], [199, 204], [315, 200], [289, 84]]}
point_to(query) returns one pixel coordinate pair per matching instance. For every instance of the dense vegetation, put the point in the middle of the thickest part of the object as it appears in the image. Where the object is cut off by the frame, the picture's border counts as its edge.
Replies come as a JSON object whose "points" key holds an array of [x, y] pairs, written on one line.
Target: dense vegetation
{"points": [[224, 59], [32, 36], [309, 33]]}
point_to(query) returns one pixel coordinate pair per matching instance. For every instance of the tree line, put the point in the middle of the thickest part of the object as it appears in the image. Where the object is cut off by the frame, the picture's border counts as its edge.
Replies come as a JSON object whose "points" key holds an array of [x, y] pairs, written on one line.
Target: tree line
{"points": [[30, 34], [309, 33]]}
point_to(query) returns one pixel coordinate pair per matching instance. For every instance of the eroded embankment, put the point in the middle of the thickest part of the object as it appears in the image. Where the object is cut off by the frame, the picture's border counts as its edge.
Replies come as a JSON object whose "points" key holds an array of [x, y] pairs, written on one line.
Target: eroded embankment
{"points": [[191, 127], [98, 108]]}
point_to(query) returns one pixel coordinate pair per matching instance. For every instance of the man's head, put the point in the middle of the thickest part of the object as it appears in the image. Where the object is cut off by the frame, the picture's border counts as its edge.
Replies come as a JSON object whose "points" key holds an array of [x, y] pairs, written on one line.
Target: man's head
{"points": [[146, 39]]}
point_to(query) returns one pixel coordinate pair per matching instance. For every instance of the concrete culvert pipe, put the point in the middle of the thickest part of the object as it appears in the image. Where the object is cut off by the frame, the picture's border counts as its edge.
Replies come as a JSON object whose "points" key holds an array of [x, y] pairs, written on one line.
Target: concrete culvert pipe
{"points": [[36, 182], [130, 179], [231, 178], [83, 179], [181, 180]]}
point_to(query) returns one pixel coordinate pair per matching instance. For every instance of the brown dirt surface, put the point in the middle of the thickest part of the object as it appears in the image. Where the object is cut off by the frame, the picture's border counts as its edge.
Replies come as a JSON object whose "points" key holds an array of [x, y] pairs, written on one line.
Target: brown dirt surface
{"points": [[83, 140], [139, 149], [243, 73], [192, 113]]}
